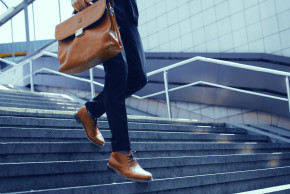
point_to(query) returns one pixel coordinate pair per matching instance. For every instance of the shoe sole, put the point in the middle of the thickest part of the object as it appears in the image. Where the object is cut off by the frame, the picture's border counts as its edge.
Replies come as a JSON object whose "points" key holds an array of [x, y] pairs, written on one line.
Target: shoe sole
{"points": [[125, 177], [80, 122]]}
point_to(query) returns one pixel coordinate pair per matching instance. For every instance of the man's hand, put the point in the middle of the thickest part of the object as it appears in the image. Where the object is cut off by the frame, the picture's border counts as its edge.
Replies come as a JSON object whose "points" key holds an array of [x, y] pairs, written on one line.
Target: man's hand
{"points": [[79, 5]]}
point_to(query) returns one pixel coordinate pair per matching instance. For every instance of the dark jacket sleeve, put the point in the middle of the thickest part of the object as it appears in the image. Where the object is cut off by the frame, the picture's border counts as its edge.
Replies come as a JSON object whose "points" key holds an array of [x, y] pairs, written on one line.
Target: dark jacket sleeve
{"points": [[111, 1]]}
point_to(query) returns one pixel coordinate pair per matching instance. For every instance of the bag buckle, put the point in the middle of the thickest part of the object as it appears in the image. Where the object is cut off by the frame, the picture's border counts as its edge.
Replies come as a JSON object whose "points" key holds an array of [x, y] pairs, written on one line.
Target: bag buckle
{"points": [[79, 32], [111, 11]]}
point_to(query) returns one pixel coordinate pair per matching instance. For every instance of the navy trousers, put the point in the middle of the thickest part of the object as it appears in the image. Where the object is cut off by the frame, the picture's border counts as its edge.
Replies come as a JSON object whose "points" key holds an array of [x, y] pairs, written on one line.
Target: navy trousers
{"points": [[125, 74]]}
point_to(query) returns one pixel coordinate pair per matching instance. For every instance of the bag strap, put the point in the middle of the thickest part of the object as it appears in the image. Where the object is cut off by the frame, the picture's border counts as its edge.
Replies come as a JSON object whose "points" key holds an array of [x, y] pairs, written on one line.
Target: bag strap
{"points": [[111, 3]]}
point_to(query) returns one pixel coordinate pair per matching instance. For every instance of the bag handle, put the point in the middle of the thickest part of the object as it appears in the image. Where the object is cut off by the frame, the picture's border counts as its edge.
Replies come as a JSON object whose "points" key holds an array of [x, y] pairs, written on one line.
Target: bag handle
{"points": [[111, 2], [88, 4]]}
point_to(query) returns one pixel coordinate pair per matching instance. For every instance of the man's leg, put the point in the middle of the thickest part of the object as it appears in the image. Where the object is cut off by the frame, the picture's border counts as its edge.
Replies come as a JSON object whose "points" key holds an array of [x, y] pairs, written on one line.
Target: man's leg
{"points": [[121, 159], [135, 58], [124, 163], [112, 101]]}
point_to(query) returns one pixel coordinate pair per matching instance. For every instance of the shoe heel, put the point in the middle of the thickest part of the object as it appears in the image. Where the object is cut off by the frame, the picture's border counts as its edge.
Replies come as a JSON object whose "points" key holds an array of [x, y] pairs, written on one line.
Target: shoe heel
{"points": [[123, 176]]}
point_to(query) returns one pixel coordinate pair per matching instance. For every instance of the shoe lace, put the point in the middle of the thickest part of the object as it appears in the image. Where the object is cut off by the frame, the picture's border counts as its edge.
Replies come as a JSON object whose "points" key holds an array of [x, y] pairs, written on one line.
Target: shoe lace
{"points": [[96, 123], [131, 157], [95, 119]]}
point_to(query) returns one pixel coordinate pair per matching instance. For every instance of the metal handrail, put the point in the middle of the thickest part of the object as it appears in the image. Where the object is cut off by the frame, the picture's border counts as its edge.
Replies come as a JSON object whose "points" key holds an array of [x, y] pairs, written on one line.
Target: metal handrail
{"points": [[67, 75], [164, 70], [221, 62], [218, 86], [1, 73], [8, 62]]}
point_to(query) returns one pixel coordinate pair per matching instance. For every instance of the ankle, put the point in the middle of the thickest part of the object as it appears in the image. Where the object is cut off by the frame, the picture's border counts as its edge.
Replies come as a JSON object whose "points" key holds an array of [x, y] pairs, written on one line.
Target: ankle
{"points": [[124, 151], [91, 114]]}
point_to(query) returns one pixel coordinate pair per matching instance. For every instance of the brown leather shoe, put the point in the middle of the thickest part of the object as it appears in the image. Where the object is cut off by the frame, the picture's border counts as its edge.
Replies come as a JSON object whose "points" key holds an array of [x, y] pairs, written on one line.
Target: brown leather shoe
{"points": [[127, 167], [90, 126]]}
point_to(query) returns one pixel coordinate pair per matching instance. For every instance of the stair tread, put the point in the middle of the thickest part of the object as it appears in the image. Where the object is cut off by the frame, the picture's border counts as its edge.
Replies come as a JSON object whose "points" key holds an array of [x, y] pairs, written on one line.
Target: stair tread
{"points": [[19, 92], [34, 98], [175, 182], [60, 167], [276, 189], [35, 104], [41, 102], [69, 147], [79, 133], [71, 123], [61, 114]]}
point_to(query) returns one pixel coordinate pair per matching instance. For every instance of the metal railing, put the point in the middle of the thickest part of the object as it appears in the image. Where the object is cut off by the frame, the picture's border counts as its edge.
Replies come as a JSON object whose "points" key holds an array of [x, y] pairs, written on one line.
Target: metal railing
{"points": [[163, 70]]}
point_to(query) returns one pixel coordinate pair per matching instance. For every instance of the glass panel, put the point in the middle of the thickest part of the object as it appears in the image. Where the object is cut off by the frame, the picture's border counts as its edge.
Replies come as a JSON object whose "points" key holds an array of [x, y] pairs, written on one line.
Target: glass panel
{"points": [[18, 35], [5, 32], [2, 8], [19, 27], [46, 18], [66, 9]]}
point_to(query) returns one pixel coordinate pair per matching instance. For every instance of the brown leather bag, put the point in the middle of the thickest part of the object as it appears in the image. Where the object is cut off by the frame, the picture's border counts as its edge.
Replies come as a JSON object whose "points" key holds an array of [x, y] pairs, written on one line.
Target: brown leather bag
{"points": [[88, 38]]}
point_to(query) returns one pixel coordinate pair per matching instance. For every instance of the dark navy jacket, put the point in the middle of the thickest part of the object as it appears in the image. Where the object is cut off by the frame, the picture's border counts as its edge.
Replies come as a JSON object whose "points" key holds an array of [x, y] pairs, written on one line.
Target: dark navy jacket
{"points": [[126, 11]]}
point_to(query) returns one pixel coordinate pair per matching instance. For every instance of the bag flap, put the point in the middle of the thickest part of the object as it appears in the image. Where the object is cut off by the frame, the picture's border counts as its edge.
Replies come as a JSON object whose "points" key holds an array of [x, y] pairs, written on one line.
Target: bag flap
{"points": [[82, 19]]}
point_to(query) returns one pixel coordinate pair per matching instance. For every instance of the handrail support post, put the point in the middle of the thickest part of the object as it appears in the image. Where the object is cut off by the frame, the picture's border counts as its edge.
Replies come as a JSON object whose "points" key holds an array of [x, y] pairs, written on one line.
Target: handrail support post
{"points": [[92, 83], [59, 11], [31, 76], [288, 91], [167, 94]]}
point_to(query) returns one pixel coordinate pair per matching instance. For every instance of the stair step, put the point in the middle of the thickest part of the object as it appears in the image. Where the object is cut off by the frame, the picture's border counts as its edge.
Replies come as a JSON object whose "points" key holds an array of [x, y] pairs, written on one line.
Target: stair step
{"points": [[38, 102], [277, 189], [67, 147], [200, 164], [33, 94], [33, 98], [54, 151], [235, 181], [275, 130], [56, 105], [35, 106], [53, 135], [60, 114], [72, 124]]}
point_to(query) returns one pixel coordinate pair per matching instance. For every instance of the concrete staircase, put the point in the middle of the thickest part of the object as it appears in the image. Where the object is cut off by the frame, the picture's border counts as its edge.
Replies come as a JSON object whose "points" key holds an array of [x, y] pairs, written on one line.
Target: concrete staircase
{"points": [[44, 150], [48, 101]]}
